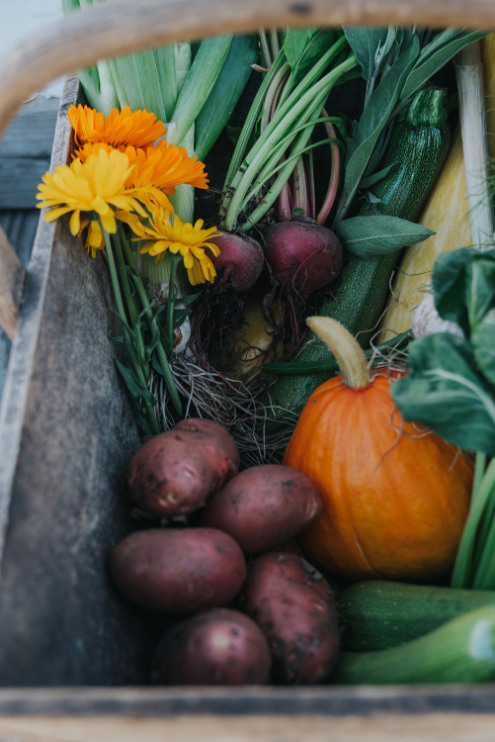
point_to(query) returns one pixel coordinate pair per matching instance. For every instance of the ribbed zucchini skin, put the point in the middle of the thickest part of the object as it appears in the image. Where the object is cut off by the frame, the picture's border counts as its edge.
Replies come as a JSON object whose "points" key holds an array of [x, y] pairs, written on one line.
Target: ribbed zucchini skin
{"points": [[460, 651], [381, 615], [419, 144], [422, 139]]}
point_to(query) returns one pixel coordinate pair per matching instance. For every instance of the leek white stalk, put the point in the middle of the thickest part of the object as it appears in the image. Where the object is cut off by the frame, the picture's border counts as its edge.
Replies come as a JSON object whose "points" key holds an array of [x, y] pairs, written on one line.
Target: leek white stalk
{"points": [[472, 112]]}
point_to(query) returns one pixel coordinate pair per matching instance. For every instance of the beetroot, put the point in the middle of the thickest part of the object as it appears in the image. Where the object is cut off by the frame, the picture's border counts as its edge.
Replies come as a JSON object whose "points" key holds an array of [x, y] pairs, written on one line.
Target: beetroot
{"points": [[264, 506], [303, 256], [174, 473], [178, 571], [220, 647], [240, 257], [295, 608]]}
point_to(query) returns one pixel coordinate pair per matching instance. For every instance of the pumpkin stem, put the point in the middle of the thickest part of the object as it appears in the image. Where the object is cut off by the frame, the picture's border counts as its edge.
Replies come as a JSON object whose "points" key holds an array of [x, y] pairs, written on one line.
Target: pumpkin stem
{"points": [[347, 351]]}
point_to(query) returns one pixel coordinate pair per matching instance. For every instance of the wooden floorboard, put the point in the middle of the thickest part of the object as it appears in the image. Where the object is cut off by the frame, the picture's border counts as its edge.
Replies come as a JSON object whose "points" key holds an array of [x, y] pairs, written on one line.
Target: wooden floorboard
{"points": [[379, 728]]}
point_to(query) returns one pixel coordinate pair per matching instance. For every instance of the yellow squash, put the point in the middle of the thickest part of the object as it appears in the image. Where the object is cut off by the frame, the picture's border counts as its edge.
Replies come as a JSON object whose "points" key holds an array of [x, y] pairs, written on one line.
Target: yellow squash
{"points": [[446, 213]]}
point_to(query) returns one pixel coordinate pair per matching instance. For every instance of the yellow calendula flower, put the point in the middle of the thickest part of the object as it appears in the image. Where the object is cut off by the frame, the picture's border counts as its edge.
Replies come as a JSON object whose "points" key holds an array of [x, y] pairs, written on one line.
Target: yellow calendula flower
{"points": [[97, 186], [167, 232], [162, 167], [137, 128]]}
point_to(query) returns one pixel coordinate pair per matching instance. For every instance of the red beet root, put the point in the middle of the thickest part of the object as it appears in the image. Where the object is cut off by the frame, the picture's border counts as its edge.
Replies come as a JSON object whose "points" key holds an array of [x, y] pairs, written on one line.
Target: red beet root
{"points": [[242, 259], [303, 256]]}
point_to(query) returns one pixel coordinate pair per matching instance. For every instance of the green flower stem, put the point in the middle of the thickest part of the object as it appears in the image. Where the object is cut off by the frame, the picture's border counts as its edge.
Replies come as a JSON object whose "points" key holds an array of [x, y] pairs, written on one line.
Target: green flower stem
{"points": [[160, 350], [169, 379], [462, 568], [152, 421], [131, 307], [113, 277], [172, 298], [128, 252]]}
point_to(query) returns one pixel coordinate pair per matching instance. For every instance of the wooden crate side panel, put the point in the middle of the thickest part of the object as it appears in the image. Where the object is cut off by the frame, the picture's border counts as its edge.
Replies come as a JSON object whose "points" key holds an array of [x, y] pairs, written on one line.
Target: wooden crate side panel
{"points": [[67, 424]]}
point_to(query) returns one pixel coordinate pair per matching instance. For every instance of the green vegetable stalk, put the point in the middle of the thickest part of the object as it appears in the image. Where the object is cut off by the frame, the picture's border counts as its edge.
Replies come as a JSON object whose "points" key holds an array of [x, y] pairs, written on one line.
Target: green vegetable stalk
{"points": [[396, 64], [451, 389]]}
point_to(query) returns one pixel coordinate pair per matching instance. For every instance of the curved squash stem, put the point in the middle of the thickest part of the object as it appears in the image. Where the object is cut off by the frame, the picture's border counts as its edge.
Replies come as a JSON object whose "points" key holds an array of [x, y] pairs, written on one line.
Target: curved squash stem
{"points": [[334, 174], [350, 356]]}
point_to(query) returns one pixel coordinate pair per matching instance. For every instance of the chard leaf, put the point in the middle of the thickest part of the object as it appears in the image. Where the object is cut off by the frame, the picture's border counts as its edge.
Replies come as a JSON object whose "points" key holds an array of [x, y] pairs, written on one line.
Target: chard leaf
{"points": [[366, 236], [365, 43], [464, 285], [374, 118], [449, 284], [483, 341], [435, 55], [444, 392]]}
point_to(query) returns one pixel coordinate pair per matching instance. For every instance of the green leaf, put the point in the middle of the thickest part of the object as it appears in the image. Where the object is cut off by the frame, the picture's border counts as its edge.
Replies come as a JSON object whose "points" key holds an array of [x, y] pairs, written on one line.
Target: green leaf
{"points": [[225, 94], [366, 236], [303, 47], [449, 285], [198, 85], [464, 285], [483, 340], [375, 117], [444, 392], [431, 60], [365, 42], [376, 177], [134, 387]]}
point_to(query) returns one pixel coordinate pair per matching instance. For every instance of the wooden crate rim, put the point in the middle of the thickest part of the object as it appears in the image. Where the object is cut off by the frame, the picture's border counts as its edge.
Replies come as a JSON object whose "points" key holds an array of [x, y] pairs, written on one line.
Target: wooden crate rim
{"points": [[331, 701]]}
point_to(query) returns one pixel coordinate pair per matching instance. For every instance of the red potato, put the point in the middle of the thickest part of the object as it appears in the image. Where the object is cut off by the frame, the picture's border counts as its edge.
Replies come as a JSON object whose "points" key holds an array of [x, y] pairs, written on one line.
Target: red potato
{"points": [[221, 647], [264, 506], [296, 610], [178, 571], [174, 473]]}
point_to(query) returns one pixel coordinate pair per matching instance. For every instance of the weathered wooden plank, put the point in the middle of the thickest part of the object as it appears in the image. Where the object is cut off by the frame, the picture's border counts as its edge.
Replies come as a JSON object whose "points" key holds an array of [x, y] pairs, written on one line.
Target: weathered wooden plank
{"points": [[19, 178], [12, 275], [31, 133], [325, 700], [439, 728], [66, 433]]}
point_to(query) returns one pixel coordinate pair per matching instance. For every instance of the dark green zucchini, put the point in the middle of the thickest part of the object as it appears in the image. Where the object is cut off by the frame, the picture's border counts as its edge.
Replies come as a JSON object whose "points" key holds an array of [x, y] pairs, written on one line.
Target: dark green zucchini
{"points": [[460, 651], [382, 615], [419, 145]]}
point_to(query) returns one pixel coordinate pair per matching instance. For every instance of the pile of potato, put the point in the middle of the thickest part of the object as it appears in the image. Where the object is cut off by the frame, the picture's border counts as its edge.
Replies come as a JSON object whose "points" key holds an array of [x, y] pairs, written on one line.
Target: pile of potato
{"points": [[284, 623]]}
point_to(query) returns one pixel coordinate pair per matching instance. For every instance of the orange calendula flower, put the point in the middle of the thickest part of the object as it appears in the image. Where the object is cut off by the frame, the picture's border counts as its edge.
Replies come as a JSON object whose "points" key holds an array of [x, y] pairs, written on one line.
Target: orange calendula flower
{"points": [[167, 232], [96, 186], [163, 167], [118, 128], [94, 237]]}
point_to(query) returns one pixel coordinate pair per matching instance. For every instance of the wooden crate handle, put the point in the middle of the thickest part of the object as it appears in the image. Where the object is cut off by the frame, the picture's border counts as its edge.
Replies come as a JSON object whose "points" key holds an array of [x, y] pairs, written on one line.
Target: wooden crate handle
{"points": [[115, 28]]}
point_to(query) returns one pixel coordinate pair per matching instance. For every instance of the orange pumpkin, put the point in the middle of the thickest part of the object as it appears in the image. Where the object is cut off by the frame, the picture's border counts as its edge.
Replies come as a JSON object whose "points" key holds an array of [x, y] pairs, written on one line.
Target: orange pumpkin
{"points": [[394, 506]]}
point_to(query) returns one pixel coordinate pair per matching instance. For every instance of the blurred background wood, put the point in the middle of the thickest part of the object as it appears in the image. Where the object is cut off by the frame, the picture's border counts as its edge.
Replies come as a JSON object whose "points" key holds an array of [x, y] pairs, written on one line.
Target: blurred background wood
{"points": [[12, 276]]}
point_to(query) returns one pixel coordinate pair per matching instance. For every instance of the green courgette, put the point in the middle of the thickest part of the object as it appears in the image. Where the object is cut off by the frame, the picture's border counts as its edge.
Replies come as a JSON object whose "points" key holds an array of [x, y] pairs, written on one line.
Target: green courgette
{"points": [[460, 651], [382, 615], [419, 145]]}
